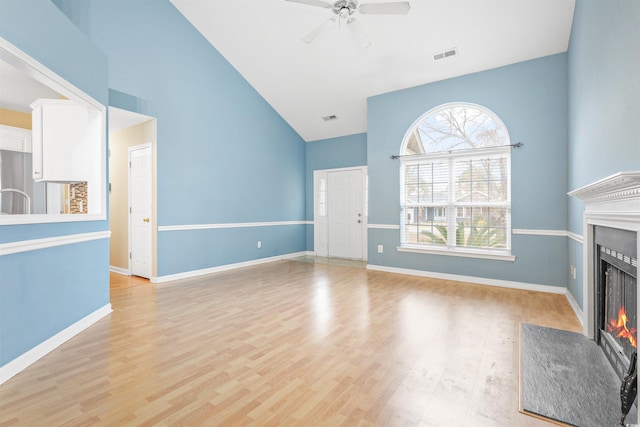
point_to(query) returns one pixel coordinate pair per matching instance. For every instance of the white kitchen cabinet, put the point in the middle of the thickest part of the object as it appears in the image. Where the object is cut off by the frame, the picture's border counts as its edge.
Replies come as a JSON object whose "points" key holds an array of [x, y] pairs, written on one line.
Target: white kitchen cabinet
{"points": [[61, 150]]}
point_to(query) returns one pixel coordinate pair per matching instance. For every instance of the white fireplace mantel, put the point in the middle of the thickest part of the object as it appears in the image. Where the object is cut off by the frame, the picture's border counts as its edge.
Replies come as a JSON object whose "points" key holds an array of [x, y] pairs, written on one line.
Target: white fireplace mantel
{"points": [[611, 202]]}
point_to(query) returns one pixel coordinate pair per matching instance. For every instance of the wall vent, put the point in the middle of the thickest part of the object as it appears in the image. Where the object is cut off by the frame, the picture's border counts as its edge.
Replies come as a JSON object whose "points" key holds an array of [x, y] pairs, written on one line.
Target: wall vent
{"points": [[329, 118], [446, 54]]}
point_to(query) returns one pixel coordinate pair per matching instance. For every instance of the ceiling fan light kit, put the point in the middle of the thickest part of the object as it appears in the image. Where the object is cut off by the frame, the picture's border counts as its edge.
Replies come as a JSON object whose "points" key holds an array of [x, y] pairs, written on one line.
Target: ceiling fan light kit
{"points": [[344, 10]]}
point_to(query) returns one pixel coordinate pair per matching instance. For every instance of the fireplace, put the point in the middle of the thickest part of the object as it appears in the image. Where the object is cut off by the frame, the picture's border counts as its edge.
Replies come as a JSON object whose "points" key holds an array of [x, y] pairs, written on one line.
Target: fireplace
{"points": [[616, 294], [610, 248]]}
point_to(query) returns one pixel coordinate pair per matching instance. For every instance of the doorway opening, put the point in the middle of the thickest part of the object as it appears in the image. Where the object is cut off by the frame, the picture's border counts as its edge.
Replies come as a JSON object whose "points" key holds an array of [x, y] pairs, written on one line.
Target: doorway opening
{"points": [[132, 189]]}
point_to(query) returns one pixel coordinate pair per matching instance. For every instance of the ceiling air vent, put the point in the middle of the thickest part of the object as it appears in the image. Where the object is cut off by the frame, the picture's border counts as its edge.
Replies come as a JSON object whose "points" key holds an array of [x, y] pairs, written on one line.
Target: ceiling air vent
{"points": [[446, 54], [329, 118]]}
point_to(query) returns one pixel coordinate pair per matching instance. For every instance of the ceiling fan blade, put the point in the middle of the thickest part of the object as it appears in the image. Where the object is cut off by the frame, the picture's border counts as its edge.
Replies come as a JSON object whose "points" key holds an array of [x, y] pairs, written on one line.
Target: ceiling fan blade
{"points": [[316, 3], [358, 33], [319, 30], [392, 8]]}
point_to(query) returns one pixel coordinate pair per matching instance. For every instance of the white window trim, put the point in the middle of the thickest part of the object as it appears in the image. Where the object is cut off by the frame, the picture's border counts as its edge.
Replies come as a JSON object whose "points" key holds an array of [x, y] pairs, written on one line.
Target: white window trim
{"points": [[451, 156], [458, 252]]}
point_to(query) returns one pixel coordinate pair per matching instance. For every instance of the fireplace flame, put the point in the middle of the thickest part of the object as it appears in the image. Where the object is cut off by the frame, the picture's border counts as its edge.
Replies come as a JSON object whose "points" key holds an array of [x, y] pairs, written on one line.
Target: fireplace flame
{"points": [[619, 328]]}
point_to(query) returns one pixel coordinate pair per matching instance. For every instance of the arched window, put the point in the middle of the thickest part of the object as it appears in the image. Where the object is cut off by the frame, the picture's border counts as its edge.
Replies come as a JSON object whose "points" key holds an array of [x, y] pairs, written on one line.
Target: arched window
{"points": [[456, 182]]}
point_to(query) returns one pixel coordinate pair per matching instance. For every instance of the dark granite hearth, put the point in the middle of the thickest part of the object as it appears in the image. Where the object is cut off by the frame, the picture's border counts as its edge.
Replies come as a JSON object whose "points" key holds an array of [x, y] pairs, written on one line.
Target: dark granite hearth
{"points": [[566, 377]]}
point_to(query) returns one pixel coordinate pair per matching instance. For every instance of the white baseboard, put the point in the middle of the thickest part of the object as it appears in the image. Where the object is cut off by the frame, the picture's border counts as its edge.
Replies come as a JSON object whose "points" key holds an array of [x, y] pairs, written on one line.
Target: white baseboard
{"points": [[202, 272], [119, 270], [25, 360], [575, 306], [472, 279]]}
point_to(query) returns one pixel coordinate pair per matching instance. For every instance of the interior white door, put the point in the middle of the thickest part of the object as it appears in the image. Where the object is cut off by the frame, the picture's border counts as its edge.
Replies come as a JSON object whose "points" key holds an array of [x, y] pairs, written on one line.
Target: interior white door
{"points": [[345, 214], [140, 210]]}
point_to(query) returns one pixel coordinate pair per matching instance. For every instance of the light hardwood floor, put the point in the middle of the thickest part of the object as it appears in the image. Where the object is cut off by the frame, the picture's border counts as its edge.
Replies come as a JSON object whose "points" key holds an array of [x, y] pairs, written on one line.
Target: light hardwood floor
{"points": [[290, 344]]}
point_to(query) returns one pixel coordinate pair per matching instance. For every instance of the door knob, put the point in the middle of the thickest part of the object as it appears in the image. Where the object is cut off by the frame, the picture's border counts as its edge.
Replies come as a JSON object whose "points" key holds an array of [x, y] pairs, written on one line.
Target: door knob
{"points": [[359, 221], [146, 220]]}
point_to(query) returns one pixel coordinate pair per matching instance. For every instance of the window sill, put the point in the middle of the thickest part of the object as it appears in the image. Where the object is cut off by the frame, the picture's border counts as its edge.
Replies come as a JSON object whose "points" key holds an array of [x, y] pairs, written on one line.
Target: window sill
{"points": [[458, 253]]}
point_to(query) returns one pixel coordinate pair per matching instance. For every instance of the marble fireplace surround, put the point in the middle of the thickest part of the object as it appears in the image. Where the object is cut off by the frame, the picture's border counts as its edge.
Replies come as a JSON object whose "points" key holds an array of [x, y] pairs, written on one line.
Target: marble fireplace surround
{"points": [[611, 202]]}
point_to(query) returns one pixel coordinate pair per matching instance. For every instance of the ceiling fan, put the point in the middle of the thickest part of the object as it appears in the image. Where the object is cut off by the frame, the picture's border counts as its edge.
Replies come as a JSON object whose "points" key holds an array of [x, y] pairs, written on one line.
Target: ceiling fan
{"points": [[344, 10]]}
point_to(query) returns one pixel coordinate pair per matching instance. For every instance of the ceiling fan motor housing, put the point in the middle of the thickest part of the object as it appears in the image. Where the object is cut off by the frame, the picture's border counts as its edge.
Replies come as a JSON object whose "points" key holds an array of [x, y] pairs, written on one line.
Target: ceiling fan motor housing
{"points": [[345, 8]]}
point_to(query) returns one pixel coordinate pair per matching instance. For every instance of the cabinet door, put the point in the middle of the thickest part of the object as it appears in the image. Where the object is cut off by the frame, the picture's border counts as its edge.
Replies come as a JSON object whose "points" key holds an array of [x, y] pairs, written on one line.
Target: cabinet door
{"points": [[60, 151]]}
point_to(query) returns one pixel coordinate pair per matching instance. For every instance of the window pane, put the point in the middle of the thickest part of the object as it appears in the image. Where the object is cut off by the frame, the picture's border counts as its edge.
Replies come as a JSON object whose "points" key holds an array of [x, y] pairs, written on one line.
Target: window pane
{"points": [[440, 179], [440, 193], [480, 191], [426, 183], [480, 169], [411, 184], [425, 173], [433, 233], [481, 180], [463, 191], [481, 227], [425, 224], [498, 180], [462, 175], [480, 217], [410, 225], [498, 217], [480, 237], [457, 127], [463, 216], [498, 238], [470, 236]]}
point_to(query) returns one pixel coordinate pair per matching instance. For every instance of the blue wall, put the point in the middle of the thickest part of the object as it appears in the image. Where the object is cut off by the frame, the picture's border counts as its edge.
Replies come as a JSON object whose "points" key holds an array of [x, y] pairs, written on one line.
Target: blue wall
{"points": [[224, 155], [333, 153], [44, 291], [604, 101], [531, 99]]}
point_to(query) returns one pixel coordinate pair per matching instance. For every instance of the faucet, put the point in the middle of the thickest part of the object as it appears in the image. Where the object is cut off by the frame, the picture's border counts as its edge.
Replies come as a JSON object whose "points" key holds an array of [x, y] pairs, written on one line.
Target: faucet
{"points": [[22, 193]]}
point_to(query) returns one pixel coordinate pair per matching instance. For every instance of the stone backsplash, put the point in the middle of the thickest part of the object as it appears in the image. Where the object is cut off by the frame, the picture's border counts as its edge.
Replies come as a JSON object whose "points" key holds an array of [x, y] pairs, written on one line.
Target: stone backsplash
{"points": [[78, 198]]}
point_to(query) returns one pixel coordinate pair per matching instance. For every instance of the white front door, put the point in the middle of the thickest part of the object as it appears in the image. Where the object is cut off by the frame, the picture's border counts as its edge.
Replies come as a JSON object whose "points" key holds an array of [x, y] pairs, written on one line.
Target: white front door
{"points": [[345, 214], [140, 210]]}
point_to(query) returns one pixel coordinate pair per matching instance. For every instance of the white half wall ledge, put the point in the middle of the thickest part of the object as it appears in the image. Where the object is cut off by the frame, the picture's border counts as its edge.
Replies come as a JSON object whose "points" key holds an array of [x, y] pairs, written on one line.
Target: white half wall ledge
{"points": [[25, 360]]}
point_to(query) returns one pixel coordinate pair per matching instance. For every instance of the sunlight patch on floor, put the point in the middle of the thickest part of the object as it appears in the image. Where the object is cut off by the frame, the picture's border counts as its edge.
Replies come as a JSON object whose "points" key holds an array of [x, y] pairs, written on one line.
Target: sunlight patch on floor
{"points": [[333, 261]]}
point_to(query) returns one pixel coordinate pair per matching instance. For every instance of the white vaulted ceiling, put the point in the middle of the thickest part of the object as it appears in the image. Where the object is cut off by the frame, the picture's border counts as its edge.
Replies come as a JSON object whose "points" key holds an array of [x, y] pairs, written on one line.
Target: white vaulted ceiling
{"points": [[334, 76]]}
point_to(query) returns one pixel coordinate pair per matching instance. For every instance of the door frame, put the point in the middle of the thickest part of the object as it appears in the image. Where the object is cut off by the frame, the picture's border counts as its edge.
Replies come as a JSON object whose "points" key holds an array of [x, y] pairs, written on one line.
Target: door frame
{"points": [[320, 223], [146, 145]]}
